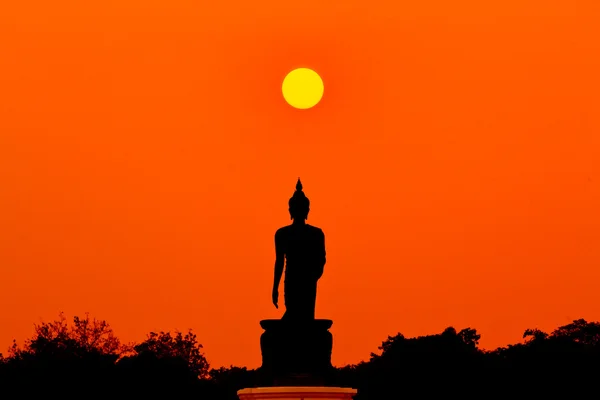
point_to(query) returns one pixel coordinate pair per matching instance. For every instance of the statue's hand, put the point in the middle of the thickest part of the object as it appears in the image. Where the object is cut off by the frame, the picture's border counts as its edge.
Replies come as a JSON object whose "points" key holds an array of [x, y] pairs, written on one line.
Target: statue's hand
{"points": [[275, 298]]}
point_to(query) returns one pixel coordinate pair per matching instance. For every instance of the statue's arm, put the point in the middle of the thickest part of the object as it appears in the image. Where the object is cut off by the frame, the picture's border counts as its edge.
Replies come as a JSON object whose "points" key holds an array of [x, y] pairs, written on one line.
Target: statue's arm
{"points": [[279, 260], [322, 254]]}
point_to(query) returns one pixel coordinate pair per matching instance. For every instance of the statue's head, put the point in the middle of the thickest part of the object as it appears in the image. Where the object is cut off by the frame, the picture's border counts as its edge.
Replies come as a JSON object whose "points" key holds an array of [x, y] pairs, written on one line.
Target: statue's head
{"points": [[299, 204]]}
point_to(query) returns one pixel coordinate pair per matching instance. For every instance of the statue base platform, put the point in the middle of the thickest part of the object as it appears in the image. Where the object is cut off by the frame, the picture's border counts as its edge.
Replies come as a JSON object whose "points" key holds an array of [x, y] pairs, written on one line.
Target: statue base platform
{"points": [[296, 393], [296, 353]]}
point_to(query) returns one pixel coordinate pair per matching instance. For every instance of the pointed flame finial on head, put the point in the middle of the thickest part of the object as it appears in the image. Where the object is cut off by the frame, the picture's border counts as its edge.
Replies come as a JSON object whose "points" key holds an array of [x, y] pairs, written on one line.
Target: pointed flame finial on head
{"points": [[299, 204]]}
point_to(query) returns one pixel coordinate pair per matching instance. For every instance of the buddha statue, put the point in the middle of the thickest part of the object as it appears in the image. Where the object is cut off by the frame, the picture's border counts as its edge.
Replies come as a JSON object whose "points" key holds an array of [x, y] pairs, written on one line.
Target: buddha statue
{"points": [[301, 247]]}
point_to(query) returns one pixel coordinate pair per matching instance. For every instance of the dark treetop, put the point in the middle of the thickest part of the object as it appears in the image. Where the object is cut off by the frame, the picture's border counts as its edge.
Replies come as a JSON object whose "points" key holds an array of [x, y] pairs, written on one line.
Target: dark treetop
{"points": [[302, 246]]}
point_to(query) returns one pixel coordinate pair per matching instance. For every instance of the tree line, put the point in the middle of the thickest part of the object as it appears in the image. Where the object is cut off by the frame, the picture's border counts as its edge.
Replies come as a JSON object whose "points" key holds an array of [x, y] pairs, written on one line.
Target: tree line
{"points": [[86, 358]]}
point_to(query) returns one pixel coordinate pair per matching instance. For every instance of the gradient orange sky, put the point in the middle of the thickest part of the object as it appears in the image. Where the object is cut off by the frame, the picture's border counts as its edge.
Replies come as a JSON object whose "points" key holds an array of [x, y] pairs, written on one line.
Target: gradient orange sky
{"points": [[147, 156]]}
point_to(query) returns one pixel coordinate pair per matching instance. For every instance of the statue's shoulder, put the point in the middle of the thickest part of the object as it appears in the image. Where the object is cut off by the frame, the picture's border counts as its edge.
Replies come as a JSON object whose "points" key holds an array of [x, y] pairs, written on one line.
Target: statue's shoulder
{"points": [[315, 230], [282, 231]]}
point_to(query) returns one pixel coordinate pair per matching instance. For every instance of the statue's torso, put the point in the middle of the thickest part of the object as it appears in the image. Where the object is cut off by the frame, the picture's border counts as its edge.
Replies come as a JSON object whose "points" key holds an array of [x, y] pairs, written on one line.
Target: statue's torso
{"points": [[304, 249]]}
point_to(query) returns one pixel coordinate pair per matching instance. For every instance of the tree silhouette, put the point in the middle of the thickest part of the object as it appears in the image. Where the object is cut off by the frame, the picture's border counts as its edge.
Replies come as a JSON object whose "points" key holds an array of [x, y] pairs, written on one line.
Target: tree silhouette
{"points": [[87, 355], [186, 348], [580, 331], [470, 337], [77, 356], [56, 339], [534, 335]]}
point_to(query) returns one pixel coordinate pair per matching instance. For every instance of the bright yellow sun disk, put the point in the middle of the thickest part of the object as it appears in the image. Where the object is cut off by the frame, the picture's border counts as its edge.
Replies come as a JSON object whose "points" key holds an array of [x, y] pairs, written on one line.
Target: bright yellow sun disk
{"points": [[302, 88]]}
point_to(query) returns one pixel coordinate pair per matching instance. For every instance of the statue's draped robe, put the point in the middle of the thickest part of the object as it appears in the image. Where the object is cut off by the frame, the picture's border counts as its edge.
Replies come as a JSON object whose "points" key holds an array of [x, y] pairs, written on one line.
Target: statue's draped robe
{"points": [[304, 249]]}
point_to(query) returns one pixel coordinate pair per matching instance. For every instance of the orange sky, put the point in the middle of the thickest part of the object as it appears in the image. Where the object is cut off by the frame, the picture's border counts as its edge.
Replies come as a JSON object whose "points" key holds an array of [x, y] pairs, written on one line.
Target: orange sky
{"points": [[453, 164]]}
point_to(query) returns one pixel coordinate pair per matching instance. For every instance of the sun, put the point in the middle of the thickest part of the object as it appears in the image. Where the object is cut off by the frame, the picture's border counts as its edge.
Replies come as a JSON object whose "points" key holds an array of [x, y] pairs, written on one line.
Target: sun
{"points": [[302, 88]]}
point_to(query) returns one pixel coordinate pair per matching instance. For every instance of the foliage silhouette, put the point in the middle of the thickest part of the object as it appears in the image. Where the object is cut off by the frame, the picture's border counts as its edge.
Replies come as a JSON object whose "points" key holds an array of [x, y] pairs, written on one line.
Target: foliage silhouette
{"points": [[185, 348], [88, 356]]}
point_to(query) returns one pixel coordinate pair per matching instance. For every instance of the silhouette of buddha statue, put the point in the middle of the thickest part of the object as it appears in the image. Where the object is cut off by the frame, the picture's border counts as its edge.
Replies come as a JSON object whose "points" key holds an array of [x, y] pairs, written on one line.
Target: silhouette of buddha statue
{"points": [[302, 246]]}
